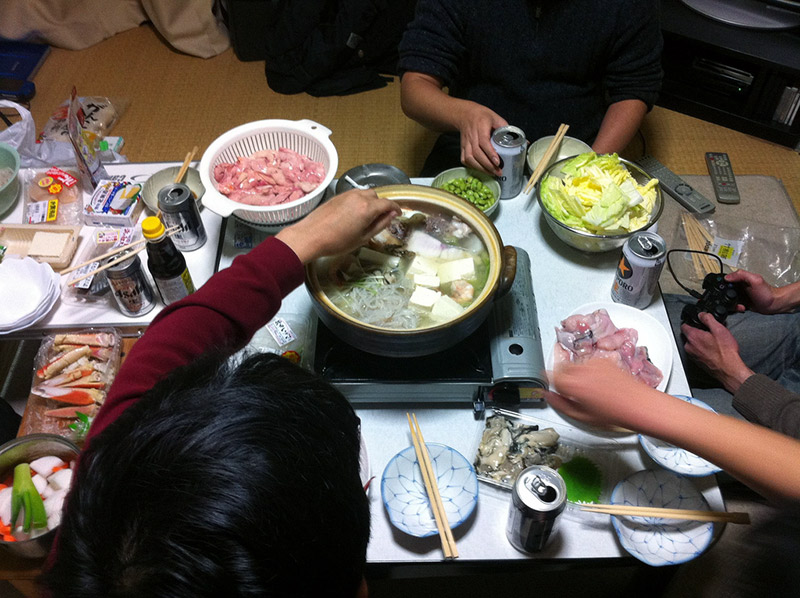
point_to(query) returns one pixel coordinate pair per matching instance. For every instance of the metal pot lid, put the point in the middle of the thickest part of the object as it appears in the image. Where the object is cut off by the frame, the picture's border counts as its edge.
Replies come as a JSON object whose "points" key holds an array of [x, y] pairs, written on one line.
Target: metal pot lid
{"points": [[372, 175]]}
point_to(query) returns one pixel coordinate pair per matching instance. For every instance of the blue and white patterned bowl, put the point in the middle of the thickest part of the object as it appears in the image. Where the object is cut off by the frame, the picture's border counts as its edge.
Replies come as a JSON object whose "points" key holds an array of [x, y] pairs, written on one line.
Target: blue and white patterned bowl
{"points": [[406, 501], [654, 540], [675, 458]]}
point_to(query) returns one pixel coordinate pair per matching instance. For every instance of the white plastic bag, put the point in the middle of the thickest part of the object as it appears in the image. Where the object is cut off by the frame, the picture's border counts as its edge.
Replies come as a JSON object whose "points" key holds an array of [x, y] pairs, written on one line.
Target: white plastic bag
{"points": [[22, 136]]}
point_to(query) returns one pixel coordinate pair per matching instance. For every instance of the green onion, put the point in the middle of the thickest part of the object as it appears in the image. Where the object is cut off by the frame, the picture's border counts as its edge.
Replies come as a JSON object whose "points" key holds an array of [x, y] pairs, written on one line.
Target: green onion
{"points": [[24, 496]]}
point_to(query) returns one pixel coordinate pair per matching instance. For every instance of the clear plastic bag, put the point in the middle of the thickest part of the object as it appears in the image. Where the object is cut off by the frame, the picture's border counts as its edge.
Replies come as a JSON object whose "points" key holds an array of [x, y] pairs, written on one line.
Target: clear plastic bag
{"points": [[51, 196], [766, 249]]}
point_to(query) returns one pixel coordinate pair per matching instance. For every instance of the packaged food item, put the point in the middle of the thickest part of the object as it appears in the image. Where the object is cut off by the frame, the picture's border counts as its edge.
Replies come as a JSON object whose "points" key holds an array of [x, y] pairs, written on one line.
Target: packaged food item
{"points": [[100, 116], [289, 335], [95, 289], [54, 245], [84, 142], [73, 371], [51, 196], [115, 202]]}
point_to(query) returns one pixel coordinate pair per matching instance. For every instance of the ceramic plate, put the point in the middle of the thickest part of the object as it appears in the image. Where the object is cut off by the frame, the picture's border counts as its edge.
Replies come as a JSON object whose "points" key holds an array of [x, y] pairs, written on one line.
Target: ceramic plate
{"points": [[654, 540], [406, 501], [652, 333], [677, 459]]}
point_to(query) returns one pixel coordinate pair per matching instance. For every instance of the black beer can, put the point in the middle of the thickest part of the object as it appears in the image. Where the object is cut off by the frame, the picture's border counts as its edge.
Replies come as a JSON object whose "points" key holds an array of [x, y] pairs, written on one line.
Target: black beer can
{"points": [[179, 208], [132, 290], [538, 497]]}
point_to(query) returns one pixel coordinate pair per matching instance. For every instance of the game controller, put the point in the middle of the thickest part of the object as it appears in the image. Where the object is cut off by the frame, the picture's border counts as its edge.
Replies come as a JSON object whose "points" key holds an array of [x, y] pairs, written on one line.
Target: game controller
{"points": [[719, 298]]}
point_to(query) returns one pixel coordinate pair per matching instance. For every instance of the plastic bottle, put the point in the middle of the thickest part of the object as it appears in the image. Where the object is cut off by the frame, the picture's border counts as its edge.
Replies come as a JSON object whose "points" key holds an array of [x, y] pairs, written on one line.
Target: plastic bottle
{"points": [[165, 262]]}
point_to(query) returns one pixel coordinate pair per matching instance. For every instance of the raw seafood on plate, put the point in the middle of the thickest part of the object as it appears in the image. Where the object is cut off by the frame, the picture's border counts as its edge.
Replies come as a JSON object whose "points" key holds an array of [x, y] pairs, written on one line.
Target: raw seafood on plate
{"points": [[582, 337]]}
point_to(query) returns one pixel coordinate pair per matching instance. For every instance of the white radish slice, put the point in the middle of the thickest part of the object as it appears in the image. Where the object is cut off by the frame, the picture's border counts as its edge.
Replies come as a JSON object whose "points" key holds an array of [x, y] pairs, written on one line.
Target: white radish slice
{"points": [[39, 482], [61, 479], [44, 466], [5, 505]]}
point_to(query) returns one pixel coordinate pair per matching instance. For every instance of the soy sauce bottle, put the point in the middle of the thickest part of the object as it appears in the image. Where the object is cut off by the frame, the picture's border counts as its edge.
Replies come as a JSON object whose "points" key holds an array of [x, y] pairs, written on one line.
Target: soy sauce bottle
{"points": [[165, 262]]}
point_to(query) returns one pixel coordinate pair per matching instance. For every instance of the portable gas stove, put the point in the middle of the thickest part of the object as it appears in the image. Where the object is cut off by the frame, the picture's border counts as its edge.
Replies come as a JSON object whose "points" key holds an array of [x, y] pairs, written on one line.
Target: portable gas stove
{"points": [[501, 362]]}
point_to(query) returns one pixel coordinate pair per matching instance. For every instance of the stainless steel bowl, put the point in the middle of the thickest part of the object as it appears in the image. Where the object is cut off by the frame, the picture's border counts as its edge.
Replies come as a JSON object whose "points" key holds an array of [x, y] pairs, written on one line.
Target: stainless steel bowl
{"points": [[24, 450], [590, 242]]}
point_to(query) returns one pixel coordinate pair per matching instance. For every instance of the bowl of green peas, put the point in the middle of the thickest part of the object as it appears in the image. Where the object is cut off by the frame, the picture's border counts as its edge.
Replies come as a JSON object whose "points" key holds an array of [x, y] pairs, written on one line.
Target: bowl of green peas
{"points": [[474, 186]]}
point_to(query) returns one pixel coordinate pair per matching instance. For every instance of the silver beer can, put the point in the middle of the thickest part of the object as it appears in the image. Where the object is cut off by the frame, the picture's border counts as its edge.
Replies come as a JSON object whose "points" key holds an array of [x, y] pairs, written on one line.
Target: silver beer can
{"points": [[510, 144], [179, 208], [538, 497], [636, 278], [132, 290]]}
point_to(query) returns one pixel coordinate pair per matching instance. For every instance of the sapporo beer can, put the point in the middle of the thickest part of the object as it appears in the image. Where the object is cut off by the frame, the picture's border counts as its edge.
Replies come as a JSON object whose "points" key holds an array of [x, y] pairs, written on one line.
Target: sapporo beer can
{"points": [[510, 144], [179, 208], [643, 257], [538, 497], [132, 289]]}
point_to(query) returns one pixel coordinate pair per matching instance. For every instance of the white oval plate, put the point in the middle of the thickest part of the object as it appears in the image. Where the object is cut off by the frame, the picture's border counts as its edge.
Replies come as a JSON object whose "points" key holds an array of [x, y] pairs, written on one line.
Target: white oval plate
{"points": [[406, 500], [675, 458], [652, 333], [654, 540]]}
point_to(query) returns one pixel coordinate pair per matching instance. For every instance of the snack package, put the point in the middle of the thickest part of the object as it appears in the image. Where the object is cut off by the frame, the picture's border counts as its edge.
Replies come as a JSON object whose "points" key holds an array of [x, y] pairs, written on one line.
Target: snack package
{"points": [[51, 196], [116, 201], [73, 372], [84, 142], [94, 290], [100, 116]]}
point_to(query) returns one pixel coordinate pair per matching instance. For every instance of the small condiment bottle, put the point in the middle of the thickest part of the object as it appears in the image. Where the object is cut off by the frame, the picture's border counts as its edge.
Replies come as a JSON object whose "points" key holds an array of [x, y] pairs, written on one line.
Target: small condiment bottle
{"points": [[165, 262]]}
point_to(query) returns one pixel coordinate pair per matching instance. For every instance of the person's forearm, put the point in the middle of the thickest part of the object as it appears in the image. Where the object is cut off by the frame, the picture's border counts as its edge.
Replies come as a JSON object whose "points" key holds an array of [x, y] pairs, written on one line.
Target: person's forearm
{"points": [[788, 297], [767, 461], [620, 123], [423, 100]]}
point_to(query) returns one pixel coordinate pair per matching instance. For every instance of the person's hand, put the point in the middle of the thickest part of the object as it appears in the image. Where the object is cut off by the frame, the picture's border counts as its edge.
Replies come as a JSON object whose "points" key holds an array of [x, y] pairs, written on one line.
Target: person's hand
{"points": [[761, 297], [476, 124], [340, 225], [599, 393], [717, 351]]}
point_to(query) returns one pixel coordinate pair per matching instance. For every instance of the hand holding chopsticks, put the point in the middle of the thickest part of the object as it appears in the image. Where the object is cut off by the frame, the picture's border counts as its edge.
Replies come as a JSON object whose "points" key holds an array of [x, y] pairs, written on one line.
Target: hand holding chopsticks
{"points": [[664, 513], [551, 150], [432, 488]]}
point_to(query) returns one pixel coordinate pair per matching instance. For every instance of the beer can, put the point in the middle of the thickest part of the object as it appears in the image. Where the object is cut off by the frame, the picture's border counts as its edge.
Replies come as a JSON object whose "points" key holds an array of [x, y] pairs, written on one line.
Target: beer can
{"points": [[132, 290], [179, 208], [538, 497], [510, 144], [643, 257]]}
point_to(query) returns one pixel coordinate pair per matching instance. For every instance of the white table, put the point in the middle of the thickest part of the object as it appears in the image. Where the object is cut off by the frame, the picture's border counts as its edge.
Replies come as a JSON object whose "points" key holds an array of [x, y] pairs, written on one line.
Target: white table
{"points": [[563, 279]]}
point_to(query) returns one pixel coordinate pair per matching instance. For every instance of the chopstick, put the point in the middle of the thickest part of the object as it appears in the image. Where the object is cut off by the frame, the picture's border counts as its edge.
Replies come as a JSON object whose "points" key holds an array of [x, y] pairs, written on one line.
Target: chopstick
{"points": [[555, 143], [665, 513], [432, 488], [185, 166], [119, 249], [121, 258]]}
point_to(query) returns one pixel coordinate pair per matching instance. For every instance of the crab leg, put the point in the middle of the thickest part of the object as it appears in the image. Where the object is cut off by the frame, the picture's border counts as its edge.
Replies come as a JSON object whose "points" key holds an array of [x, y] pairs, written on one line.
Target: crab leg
{"points": [[66, 377], [72, 396], [71, 412], [101, 353], [62, 361], [100, 339], [90, 380]]}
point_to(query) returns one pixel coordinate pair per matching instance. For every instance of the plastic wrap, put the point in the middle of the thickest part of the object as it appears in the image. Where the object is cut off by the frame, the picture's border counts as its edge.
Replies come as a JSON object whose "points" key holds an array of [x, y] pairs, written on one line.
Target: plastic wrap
{"points": [[72, 372], [51, 196]]}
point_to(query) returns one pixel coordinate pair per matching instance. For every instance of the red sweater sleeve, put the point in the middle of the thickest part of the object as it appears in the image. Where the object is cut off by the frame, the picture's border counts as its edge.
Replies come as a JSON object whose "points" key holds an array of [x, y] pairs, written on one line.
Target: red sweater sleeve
{"points": [[224, 313]]}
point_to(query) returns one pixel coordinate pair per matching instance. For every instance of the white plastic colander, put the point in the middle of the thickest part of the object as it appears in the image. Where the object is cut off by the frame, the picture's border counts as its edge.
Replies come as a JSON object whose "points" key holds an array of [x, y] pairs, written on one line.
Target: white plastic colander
{"points": [[302, 136]]}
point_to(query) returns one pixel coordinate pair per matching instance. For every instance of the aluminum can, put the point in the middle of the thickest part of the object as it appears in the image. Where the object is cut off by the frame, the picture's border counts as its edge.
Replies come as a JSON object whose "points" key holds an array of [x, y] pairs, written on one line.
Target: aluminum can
{"points": [[636, 278], [179, 208], [510, 144], [132, 290], [538, 497]]}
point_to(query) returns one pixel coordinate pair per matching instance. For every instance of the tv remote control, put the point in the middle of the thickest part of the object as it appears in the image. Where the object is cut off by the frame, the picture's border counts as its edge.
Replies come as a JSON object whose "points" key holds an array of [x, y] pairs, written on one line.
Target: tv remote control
{"points": [[670, 182], [719, 167]]}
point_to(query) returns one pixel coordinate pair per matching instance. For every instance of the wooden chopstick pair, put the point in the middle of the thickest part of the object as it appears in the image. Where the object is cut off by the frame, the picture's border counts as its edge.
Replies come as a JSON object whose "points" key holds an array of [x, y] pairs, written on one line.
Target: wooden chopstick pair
{"points": [[665, 513], [432, 488], [551, 150], [185, 166], [131, 252]]}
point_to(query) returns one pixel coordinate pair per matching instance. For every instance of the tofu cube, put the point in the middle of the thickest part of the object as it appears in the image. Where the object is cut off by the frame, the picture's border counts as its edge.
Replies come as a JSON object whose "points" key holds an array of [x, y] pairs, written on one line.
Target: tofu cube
{"points": [[422, 265], [463, 269], [446, 309], [426, 280], [48, 244], [424, 297]]}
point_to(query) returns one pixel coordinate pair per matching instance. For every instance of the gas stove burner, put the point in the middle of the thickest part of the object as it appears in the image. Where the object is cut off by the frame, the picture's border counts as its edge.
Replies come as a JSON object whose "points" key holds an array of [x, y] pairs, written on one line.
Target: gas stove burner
{"points": [[501, 362]]}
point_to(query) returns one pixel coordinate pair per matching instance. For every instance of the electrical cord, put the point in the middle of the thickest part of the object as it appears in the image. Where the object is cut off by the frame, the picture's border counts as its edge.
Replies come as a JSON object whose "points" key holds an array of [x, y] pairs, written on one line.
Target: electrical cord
{"points": [[691, 292]]}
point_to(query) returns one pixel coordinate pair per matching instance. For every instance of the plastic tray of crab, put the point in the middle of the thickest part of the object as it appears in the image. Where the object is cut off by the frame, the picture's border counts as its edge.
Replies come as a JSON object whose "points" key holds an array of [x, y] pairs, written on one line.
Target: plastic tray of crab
{"points": [[510, 442], [74, 371]]}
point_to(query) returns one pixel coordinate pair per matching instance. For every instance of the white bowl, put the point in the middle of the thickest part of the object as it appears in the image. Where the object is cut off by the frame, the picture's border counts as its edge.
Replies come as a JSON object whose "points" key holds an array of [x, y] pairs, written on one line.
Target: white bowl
{"points": [[654, 540], [460, 172], [570, 146], [406, 500], [303, 136], [162, 178]]}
